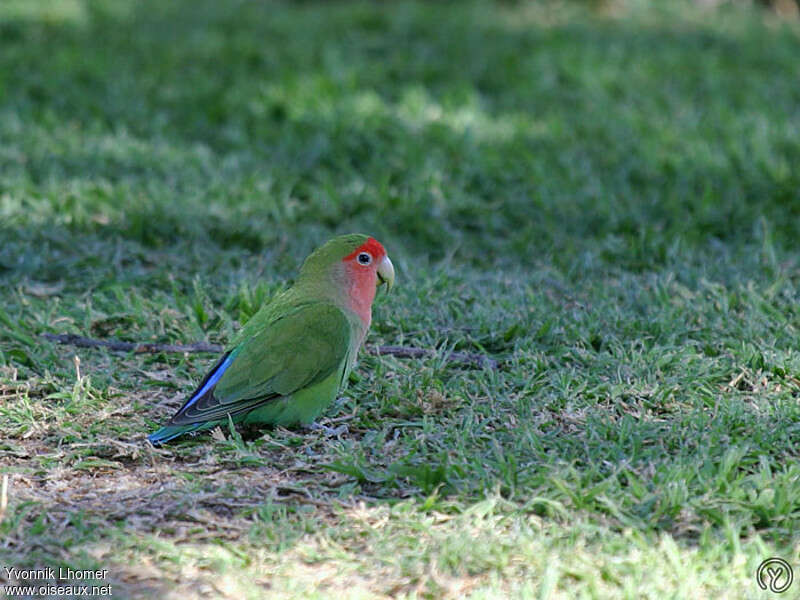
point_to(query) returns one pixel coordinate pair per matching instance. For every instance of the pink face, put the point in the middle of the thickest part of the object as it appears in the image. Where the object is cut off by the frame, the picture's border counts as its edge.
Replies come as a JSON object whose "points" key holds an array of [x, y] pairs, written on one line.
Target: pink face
{"points": [[361, 267]]}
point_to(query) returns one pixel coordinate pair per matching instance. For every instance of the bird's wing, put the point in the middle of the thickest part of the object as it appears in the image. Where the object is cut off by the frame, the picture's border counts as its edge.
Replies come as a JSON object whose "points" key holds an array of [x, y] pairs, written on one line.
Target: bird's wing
{"points": [[299, 349]]}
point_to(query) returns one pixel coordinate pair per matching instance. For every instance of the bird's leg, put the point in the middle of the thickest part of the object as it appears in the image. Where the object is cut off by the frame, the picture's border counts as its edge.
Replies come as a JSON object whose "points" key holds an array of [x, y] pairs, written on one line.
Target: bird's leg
{"points": [[328, 431]]}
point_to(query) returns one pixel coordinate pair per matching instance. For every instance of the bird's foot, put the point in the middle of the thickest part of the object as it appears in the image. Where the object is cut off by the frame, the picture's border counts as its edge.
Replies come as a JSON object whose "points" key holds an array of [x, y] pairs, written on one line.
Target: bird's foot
{"points": [[328, 431]]}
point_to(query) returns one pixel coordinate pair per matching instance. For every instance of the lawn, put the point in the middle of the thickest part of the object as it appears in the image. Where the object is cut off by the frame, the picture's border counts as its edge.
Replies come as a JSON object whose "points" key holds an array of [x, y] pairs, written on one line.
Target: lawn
{"points": [[603, 198]]}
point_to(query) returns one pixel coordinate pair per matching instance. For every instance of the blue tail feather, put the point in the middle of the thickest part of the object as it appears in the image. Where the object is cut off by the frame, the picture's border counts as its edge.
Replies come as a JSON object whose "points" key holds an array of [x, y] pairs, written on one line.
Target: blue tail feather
{"points": [[169, 431], [210, 381]]}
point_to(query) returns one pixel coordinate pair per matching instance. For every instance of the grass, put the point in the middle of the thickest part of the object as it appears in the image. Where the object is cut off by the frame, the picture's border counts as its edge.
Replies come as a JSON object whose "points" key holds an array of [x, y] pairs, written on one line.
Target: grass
{"points": [[606, 200]]}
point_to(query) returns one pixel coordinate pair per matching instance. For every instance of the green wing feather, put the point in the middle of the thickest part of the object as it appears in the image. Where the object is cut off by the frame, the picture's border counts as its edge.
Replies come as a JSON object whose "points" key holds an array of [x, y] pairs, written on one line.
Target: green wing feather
{"points": [[276, 356]]}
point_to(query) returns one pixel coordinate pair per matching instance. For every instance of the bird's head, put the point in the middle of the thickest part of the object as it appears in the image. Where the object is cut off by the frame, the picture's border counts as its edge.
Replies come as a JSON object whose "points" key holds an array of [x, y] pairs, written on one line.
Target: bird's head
{"points": [[353, 265]]}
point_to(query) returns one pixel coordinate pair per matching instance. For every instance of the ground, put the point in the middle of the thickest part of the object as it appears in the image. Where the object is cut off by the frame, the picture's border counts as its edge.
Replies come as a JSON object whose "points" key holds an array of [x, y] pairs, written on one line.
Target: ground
{"points": [[602, 197]]}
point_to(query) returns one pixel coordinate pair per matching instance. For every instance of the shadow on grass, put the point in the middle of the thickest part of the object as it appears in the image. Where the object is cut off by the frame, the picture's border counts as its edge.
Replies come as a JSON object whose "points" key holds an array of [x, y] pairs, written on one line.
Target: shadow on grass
{"points": [[229, 122]]}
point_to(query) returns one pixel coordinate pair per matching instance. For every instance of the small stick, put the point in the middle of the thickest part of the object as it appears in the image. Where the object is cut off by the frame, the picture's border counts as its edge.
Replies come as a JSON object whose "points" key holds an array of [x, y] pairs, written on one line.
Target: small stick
{"points": [[467, 358], [70, 339], [3, 497]]}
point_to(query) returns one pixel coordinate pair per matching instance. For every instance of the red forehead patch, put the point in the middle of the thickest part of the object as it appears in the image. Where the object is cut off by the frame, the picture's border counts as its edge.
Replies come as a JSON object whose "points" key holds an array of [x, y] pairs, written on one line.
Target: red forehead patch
{"points": [[372, 246]]}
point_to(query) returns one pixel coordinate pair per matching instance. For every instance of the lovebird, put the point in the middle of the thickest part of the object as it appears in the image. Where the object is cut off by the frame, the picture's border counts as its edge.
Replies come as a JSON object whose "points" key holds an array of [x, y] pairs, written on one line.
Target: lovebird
{"points": [[287, 363]]}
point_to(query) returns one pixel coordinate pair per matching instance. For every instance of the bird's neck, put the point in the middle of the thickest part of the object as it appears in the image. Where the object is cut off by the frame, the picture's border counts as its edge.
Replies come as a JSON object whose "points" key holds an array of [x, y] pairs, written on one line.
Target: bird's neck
{"points": [[360, 286], [351, 291]]}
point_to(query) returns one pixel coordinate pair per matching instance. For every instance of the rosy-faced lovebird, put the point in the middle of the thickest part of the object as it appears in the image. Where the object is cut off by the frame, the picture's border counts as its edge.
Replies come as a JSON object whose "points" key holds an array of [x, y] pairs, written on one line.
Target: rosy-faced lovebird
{"points": [[290, 359]]}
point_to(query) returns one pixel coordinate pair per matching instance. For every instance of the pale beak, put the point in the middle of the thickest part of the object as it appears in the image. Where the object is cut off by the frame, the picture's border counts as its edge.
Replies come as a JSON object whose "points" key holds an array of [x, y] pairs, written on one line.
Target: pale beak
{"points": [[386, 273]]}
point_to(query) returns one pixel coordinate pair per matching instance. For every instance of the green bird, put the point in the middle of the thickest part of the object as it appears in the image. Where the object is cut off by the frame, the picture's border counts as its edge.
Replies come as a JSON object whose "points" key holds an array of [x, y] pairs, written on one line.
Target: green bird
{"points": [[287, 363]]}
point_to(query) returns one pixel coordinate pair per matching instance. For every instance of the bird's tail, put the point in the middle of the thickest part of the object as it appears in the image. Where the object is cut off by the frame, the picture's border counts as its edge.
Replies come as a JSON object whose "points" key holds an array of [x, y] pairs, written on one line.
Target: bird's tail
{"points": [[170, 432]]}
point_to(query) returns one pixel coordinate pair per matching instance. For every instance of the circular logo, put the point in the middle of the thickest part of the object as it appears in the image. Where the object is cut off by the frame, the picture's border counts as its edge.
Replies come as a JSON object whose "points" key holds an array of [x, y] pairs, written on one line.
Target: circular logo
{"points": [[775, 575]]}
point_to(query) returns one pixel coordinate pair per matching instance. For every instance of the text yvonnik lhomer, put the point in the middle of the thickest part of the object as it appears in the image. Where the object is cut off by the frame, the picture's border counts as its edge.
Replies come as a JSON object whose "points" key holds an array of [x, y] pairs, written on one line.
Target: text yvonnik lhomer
{"points": [[52, 573]]}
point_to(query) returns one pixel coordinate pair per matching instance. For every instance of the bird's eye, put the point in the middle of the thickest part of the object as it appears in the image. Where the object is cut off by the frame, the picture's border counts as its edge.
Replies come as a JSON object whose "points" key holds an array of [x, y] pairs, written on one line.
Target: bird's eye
{"points": [[364, 258]]}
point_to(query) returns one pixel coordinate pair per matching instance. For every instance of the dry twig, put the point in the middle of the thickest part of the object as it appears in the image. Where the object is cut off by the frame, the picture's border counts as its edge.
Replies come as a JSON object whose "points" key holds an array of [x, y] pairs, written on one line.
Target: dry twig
{"points": [[463, 358], [3, 497]]}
